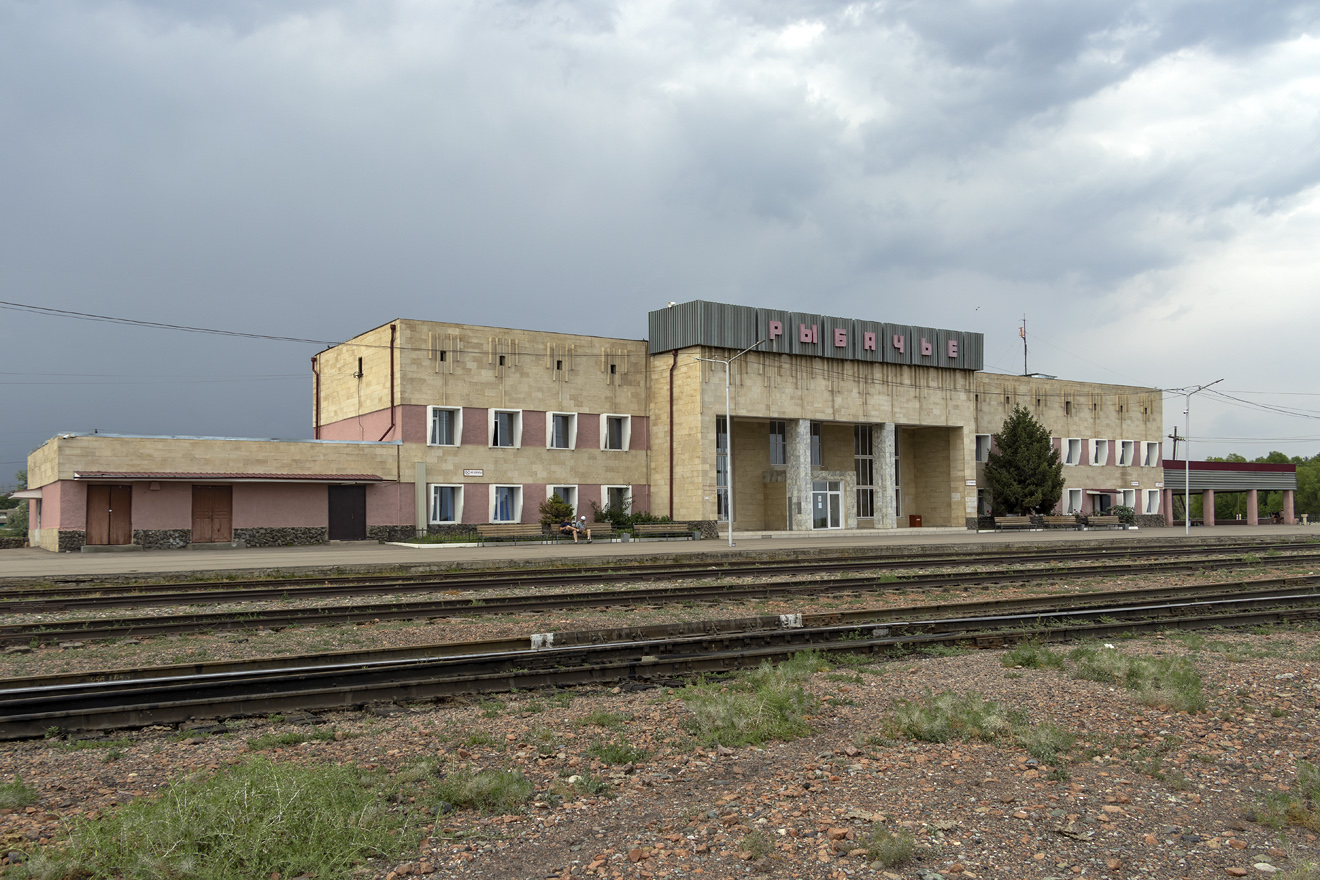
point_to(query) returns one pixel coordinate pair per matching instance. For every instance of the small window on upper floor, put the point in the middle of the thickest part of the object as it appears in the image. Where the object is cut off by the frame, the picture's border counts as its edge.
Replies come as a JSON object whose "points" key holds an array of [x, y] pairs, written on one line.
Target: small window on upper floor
{"points": [[1127, 451], [617, 433], [505, 428], [446, 426], [563, 431], [817, 454], [1067, 407], [777, 444], [611, 369], [982, 447]]}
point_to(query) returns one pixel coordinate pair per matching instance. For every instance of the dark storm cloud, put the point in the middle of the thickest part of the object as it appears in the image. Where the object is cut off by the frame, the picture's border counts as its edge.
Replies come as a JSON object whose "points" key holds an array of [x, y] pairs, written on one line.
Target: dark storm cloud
{"points": [[314, 169]]}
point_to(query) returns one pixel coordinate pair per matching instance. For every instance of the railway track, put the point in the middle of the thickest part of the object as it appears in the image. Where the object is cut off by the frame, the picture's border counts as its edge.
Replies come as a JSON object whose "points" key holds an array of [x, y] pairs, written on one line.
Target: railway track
{"points": [[27, 597], [31, 708], [324, 615]]}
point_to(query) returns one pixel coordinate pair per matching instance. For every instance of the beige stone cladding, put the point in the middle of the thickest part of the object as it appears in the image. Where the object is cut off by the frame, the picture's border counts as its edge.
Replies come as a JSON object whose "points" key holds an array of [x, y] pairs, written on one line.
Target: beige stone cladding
{"points": [[1086, 412], [780, 386], [353, 378], [62, 456], [483, 369], [938, 412]]}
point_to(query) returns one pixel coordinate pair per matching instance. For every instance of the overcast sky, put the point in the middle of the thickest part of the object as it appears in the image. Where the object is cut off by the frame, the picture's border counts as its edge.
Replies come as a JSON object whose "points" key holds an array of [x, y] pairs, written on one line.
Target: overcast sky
{"points": [[1138, 178]]}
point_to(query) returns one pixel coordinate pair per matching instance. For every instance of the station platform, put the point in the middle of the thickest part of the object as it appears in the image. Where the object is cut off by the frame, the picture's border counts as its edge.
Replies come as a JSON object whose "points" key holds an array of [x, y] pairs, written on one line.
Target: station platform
{"points": [[368, 556]]}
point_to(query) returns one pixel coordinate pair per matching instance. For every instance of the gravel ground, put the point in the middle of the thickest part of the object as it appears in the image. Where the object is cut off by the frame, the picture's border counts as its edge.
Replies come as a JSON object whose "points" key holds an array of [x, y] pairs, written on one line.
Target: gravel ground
{"points": [[1146, 792]]}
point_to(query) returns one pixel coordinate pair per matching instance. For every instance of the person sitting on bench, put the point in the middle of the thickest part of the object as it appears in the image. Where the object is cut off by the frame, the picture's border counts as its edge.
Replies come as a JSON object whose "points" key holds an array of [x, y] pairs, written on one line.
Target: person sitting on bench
{"points": [[582, 527], [568, 527]]}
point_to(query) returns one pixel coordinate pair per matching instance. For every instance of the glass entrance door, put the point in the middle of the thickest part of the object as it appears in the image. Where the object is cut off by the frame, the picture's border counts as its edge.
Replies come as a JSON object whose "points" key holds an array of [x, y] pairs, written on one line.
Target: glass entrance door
{"points": [[827, 504]]}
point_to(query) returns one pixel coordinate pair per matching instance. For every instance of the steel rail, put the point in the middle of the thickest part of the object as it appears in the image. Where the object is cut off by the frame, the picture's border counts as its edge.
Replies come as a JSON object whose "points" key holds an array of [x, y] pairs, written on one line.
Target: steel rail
{"points": [[1253, 589], [32, 712], [141, 627], [64, 597]]}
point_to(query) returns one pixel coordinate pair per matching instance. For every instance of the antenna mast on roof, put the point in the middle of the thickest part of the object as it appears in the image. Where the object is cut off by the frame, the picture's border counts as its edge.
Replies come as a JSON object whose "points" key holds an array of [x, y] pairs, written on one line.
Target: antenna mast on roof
{"points": [[1022, 331]]}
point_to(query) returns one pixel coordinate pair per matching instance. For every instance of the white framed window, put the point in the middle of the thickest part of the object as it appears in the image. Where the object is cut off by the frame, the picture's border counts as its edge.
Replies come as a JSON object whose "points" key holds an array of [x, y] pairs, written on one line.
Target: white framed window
{"points": [[982, 447], [505, 428], [1150, 456], [506, 504], [446, 426], [1130, 498], [1072, 450], [778, 448], [618, 497], [1152, 505], [1127, 452], [446, 503], [817, 456], [562, 431], [567, 494], [1073, 501], [1099, 452], [616, 433]]}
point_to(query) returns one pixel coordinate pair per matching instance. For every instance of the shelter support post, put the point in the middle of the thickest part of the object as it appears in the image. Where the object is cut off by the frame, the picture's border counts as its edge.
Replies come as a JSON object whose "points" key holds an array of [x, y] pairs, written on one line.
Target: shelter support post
{"points": [[797, 457], [1253, 509], [1288, 510], [1208, 507], [886, 504], [1167, 504]]}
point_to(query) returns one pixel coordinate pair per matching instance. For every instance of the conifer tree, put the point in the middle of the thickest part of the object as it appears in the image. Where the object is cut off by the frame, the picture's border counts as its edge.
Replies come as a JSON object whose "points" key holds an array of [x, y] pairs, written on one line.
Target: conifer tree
{"points": [[1025, 474]]}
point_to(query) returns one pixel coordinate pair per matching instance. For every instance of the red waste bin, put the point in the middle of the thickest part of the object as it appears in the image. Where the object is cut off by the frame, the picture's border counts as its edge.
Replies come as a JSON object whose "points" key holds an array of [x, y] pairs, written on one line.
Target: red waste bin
{"points": [[914, 520]]}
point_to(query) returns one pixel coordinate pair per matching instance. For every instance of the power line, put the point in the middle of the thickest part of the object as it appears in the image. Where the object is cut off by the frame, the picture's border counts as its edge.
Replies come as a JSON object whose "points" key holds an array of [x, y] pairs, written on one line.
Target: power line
{"points": [[110, 319]]}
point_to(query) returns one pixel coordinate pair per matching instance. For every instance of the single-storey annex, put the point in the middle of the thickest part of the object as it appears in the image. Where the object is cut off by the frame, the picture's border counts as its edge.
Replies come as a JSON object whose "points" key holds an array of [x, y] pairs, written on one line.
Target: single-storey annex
{"points": [[794, 421]]}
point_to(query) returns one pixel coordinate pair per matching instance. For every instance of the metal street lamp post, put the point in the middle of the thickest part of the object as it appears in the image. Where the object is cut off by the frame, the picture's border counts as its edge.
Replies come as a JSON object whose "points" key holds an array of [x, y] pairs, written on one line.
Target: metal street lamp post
{"points": [[1187, 461]]}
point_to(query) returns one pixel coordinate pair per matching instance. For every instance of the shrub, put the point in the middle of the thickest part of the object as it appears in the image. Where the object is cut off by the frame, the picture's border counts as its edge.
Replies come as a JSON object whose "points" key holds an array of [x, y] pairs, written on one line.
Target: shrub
{"points": [[949, 717], [1169, 682], [887, 847], [555, 510], [16, 794], [1031, 655]]}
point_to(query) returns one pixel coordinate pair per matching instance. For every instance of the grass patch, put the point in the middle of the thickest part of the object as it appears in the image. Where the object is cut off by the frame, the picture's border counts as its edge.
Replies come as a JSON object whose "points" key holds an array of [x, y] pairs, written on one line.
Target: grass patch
{"points": [[16, 794], [490, 791], [1299, 805], [887, 847], [251, 820], [601, 718], [950, 717], [1031, 655], [617, 752], [757, 706], [1164, 682]]}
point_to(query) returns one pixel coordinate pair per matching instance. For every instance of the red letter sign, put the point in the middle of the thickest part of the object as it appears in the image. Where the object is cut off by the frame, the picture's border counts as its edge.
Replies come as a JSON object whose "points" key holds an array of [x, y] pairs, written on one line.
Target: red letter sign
{"points": [[807, 334], [868, 341], [840, 337], [776, 329], [953, 348], [899, 342], [926, 349]]}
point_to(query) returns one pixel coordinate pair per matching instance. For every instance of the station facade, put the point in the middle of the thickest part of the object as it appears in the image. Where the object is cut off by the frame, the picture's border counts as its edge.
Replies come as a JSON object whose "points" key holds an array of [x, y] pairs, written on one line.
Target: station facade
{"points": [[794, 421]]}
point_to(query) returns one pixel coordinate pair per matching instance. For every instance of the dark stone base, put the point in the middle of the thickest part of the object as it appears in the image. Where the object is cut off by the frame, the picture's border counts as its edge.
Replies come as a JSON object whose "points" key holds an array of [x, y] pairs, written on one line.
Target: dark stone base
{"points": [[282, 536], [976, 523], [708, 528], [72, 540], [466, 529], [391, 533], [162, 539], [1150, 521], [12, 543]]}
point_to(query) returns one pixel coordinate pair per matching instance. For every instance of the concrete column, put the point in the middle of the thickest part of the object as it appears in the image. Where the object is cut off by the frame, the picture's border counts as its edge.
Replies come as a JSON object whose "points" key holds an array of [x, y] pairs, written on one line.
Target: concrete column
{"points": [[1166, 505], [1253, 507], [886, 505], [1208, 506], [797, 458], [420, 501], [1288, 510]]}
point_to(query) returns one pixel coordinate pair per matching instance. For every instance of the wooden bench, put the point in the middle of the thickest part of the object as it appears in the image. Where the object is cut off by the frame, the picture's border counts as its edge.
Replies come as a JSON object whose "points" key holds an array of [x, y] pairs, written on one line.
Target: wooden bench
{"points": [[1112, 522], [600, 531], [510, 531], [1062, 522], [1014, 522], [663, 530]]}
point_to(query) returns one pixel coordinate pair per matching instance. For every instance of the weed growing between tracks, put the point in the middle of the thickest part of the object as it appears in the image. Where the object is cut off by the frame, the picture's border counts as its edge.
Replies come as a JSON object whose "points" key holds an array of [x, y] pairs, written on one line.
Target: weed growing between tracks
{"points": [[948, 717], [1165, 682], [251, 820], [16, 794]]}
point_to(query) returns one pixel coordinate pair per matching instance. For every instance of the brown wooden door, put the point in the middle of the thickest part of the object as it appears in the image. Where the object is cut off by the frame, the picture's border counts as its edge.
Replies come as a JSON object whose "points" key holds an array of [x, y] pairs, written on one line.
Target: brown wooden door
{"points": [[212, 514], [348, 513], [109, 514]]}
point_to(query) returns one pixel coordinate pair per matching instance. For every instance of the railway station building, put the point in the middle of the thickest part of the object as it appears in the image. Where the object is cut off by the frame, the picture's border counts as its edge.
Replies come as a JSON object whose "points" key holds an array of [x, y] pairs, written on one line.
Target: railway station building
{"points": [[792, 421]]}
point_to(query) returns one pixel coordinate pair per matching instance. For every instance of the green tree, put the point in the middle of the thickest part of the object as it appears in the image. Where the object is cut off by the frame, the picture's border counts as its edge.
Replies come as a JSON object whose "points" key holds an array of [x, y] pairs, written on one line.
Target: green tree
{"points": [[555, 510], [1024, 473]]}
